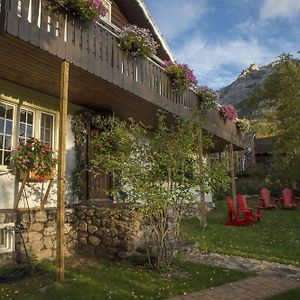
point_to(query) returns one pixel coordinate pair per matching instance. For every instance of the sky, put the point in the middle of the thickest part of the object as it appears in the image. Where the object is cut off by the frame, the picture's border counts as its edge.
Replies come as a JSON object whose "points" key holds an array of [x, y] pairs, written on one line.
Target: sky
{"points": [[220, 38]]}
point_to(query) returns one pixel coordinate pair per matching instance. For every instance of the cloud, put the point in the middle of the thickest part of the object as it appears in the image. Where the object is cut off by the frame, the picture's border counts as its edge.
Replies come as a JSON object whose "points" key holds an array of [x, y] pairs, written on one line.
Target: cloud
{"points": [[175, 18], [279, 9], [217, 64]]}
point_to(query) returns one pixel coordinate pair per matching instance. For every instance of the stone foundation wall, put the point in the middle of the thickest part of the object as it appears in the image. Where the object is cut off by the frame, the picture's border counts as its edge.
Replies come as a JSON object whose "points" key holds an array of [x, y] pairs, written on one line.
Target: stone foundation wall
{"points": [[112, 232], [192, 210]]}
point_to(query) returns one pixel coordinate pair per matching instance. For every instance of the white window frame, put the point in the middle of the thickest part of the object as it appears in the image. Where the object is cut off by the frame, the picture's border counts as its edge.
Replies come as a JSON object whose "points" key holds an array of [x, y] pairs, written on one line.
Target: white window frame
{"points": [[9, 238], [38, 110]]}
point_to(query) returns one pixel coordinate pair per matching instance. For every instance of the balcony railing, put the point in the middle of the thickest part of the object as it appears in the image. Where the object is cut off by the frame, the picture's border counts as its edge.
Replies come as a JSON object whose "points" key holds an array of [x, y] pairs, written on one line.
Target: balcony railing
{"points": [[95, 49]]}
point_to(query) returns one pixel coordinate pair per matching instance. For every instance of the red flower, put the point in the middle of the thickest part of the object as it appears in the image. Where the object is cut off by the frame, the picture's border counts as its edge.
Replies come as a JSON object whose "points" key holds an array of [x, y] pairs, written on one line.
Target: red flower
{"points": [[41, 179]]}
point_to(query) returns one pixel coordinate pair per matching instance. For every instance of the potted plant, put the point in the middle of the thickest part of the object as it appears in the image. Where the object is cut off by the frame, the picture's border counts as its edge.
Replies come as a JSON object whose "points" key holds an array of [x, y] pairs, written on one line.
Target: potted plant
{"points": [[228, 111], [137, 41], [34, 161], [181, 76], [208, 98], [87, 10]]}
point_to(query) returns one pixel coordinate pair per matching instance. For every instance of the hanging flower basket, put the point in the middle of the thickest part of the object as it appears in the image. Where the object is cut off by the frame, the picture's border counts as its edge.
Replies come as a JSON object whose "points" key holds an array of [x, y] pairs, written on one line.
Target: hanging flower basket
{"points": [[208, 98], [181, 76], [228, 111], [138, 42], [87, 11], [34, 161]]}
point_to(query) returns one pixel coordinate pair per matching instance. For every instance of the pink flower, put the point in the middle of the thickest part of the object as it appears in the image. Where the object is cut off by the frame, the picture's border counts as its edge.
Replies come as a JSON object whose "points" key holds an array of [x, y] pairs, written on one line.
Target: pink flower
{"points": [[229, 112]]}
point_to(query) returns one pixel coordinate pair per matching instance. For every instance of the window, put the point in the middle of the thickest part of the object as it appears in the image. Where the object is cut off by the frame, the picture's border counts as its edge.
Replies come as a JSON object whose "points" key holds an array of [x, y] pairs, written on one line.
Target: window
{"points": [[107, 17], [46, 135], [6, 131], [7, 237], [32, 122], [26, 125]]}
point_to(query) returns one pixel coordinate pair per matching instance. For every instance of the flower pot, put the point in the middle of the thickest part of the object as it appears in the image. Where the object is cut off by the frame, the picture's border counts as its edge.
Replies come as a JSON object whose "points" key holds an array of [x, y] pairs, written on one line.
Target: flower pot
{"points": [[31, 176]]}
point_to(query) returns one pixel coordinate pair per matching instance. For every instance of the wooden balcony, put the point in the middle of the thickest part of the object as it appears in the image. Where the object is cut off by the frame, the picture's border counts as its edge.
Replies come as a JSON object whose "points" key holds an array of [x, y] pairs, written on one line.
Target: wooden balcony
{"points": [[34, 41]]}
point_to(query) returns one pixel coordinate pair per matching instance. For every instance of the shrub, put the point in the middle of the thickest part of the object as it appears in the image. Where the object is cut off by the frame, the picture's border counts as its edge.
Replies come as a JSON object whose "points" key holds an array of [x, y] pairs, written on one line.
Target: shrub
{"points": [[137, 41], [181, 76]]}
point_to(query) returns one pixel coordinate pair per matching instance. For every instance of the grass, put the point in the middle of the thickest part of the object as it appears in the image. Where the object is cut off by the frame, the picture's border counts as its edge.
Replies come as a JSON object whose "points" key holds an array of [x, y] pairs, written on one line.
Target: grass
{"points": [[290, 295], [116, 280], [275, 238]]}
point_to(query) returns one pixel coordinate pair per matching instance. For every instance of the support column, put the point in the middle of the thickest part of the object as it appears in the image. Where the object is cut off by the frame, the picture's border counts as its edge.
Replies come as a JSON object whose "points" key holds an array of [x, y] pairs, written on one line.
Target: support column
{"points": [[202, 215], [61, 171], [233, 183]]}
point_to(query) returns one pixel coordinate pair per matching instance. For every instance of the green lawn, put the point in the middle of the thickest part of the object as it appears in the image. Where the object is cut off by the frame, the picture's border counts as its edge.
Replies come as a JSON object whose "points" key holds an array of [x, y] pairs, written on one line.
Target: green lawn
{"points": [[116, 280], [275, 238]]}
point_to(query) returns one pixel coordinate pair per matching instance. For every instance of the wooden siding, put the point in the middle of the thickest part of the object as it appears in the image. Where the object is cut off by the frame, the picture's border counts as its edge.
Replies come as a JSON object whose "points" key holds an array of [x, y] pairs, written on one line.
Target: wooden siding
{"points": [[117, 16], [101, 74]]}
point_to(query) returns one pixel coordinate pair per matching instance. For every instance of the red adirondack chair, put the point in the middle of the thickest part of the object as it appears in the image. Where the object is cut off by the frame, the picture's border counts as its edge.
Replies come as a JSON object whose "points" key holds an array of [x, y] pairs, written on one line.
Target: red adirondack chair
{"points": [[233, 218], [244, 209], [266, 200], [288, 200]]}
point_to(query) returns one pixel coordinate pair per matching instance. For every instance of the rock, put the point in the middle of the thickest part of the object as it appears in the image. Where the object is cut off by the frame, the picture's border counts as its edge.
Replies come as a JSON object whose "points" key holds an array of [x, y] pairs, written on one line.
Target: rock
{"points": [[94, 241], [41, 217], [36, 247], [34, 236], [67, 228], [111, 250], [88, 250], [48, 231], [26, 218], [96, 222], [45, 254], [92, 229], [48, 243], [2, 218], [124, 254], [37, 227], [83, 226], [102, 232], [245, 84], [90, 212], [83, 241]]}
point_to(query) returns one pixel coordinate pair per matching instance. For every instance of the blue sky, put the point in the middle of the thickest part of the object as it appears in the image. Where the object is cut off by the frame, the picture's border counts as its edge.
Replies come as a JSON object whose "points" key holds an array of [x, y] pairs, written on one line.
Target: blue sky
{"points": [[220, 38]]}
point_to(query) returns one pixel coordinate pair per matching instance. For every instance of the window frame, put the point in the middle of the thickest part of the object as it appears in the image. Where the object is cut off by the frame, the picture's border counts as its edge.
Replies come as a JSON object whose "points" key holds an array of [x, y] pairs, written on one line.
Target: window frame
{"points": [[9, 238], [108, 5], [37, 117]]}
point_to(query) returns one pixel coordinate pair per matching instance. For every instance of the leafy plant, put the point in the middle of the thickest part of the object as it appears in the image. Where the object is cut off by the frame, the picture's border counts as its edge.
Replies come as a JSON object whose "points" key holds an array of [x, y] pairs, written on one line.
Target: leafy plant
{"points": [[87, 10], [137, 41], [181, 76], [229, 112], [34, 156], [209, 98], [156, 182]]}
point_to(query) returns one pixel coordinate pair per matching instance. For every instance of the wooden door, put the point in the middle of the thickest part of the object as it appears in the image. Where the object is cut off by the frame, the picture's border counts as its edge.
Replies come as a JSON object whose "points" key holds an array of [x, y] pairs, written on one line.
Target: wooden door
{"points": [[97, 185]]}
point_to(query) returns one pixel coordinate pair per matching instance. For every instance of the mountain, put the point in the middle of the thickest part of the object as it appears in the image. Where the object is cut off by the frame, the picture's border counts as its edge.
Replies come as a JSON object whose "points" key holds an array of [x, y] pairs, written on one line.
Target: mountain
{"points": [[245, 84]]}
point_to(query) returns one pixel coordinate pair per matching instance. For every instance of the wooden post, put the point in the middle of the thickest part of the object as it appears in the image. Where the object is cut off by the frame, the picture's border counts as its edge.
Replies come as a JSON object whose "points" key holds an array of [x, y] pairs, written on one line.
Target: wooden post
{"points": [[61, 171], [202, 215], [233, 184]]}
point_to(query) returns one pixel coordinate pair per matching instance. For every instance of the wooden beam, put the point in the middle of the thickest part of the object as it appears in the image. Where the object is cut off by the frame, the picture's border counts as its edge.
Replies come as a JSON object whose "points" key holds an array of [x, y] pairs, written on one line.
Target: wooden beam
{"points": [[233, 183], [61, 171], [202, 212]]}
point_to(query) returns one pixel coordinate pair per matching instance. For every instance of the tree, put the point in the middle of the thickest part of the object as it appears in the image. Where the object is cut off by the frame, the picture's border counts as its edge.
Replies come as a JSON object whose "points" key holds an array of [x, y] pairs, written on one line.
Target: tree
{"points": [[158, 173], [279, 101]]}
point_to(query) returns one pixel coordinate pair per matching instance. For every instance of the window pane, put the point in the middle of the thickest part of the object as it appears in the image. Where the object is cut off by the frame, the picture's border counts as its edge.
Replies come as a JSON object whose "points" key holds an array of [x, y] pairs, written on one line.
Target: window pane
{"points": [[22, 130], [8, 129], [23, 116], [7, 144], [21, 140], [30, 117], [2, 111], [1, 125], [2, 239], [7, 157], [29, 131], [9, 112], [47, 122]]}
